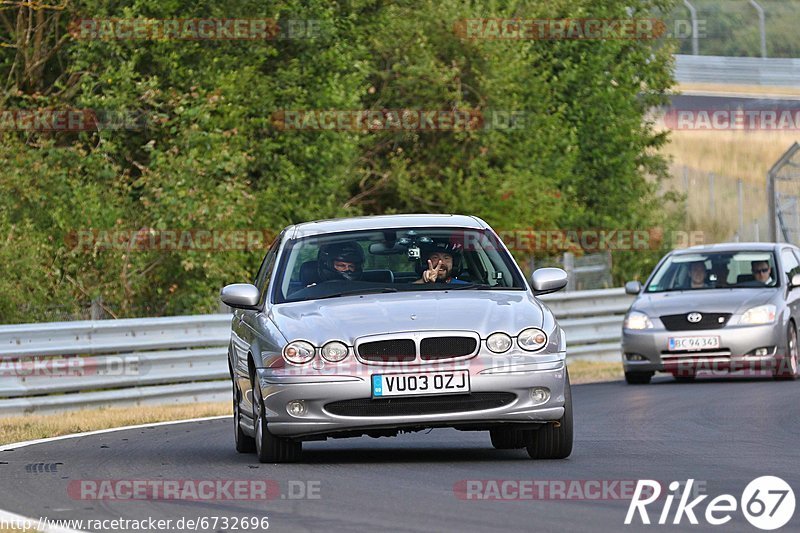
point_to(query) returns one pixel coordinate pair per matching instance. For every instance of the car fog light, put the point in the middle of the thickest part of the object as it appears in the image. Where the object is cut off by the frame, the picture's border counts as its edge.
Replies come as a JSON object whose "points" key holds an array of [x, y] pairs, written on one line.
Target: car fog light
{"points": [[761, 352], [296, 408], [540, 395], [635, 357]]}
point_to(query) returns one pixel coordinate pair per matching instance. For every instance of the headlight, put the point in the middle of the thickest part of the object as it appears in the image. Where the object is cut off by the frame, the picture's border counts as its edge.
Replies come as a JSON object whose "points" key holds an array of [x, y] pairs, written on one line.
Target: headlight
{"points": [[334, 351], [763, 314], [637, 320], [498, 342], [298, 352], [532, 339]]}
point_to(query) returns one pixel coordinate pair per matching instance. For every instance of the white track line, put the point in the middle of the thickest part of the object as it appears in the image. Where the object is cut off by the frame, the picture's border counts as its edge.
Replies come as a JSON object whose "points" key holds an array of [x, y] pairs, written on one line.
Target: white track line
{"points": [[10, 517]]}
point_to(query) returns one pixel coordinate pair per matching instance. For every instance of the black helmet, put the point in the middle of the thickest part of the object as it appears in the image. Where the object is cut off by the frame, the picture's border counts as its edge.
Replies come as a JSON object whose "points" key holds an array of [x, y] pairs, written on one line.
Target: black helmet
{"points": [[454, 249], [349, 252]]}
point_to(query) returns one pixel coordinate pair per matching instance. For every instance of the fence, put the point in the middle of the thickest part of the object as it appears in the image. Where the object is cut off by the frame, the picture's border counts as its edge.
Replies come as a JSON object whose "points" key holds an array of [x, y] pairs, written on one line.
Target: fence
{"points": [[70, 365], [725, 208], [783, 193]]}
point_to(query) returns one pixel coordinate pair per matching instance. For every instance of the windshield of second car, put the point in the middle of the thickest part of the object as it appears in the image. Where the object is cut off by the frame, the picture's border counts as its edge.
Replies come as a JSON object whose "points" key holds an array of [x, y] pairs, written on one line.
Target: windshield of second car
{"points": [[396, 260], [719, 270]]}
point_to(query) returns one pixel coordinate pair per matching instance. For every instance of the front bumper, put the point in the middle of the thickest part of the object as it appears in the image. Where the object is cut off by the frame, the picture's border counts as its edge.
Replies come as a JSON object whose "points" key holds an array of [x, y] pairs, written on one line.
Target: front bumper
{"points": [[736, 351], [515, 376]]}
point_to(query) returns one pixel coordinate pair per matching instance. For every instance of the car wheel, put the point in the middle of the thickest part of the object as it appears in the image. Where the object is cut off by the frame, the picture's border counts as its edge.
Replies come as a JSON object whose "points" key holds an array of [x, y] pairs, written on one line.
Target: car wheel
{"points": [[271, 448], [244, 443], [507, 438], [685, 378], [553, 441], [786, 367], [638, 378]]}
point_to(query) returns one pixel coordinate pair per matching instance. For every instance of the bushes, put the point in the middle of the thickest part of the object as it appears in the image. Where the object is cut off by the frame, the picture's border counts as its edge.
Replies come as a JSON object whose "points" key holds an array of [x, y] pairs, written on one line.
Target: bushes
{"points": [[210, 156]]}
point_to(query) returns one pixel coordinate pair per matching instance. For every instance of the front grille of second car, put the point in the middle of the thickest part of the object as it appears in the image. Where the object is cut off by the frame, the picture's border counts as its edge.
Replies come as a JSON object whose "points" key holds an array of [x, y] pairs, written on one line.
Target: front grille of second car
{"points": [[392, 350], [422, 405], [681, 323], [446, 347]]}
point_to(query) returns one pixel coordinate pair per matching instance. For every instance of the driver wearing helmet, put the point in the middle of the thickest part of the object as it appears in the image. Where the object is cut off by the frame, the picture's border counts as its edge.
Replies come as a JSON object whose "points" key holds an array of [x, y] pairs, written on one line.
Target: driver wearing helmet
{"points": [[443, 261], [340, 261]]}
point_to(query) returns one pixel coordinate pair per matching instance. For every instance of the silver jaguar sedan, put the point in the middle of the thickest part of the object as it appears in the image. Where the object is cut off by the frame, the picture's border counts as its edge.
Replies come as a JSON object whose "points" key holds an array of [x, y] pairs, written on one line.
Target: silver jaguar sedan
{"points": [[724, 308], [388, 324]]}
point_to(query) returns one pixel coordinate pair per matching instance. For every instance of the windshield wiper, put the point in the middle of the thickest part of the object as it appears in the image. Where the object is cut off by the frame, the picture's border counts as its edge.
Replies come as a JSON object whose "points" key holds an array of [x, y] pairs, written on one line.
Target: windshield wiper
{"points": [[359, 291]]}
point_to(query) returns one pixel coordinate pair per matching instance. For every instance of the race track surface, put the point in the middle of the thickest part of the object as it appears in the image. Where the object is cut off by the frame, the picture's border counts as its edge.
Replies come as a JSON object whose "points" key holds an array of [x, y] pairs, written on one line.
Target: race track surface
{"points": [[722, 433]]}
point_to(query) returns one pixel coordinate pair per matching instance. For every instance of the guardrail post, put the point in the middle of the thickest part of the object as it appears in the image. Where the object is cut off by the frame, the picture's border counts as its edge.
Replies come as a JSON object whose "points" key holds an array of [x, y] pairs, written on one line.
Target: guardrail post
{"points": [[695, 28], [762, 26], [740, 193], [569, 268], [96, 312]]}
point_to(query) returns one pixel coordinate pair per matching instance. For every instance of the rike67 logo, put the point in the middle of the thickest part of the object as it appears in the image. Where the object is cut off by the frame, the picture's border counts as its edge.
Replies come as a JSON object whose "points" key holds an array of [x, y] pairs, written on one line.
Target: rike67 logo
{"points": [[767, 503]]}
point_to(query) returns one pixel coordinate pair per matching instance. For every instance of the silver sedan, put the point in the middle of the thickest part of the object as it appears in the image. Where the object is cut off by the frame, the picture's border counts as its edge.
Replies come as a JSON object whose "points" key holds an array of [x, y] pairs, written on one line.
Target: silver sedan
{"points": [[382, 325], [724, 308]]}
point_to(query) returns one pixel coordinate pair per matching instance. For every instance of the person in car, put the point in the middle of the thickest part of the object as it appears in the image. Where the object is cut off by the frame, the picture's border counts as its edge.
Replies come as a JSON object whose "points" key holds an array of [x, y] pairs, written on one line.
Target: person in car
{"points": [[762, 272], [443, 261], [340, 261], [697, 275]]}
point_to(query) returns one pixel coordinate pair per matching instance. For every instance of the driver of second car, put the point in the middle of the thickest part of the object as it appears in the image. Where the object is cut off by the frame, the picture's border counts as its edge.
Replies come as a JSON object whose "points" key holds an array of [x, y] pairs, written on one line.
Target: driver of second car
{"points": [[443, 261], [340, 261]]}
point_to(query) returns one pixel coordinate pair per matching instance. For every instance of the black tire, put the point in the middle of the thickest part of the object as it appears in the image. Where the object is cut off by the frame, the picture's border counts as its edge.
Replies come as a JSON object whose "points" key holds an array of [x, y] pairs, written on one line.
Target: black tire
{"points": [[244, 443], [271, 448], [686, 378], [786, 368], [638, 378], [507, 438], [553, 441]]}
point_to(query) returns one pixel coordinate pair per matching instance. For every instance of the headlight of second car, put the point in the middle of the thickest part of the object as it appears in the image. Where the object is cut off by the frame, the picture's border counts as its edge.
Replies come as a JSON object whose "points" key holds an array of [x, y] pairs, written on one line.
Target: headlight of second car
{"points": [[532, 339], [299, 352], [637, 320], [763, 314]]}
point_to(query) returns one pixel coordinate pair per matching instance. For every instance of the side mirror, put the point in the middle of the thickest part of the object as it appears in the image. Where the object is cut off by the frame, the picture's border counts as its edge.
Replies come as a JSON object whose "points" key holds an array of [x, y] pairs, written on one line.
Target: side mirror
{"points": [[794, 282], [546, 280], [240, 296], [633, 287]]}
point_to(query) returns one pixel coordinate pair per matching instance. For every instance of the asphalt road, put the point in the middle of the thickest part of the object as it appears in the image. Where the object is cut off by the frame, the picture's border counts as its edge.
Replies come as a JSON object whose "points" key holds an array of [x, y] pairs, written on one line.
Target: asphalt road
{"points": [[722, 433]]}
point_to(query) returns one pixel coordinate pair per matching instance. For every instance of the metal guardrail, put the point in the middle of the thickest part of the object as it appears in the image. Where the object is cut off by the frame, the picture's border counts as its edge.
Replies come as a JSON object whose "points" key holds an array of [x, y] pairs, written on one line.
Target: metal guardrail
{"points": [[782, 72], [60, 366]]}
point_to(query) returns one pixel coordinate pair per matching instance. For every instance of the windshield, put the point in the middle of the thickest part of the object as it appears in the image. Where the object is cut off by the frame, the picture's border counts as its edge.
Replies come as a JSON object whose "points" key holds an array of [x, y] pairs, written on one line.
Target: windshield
{"points": [[396, 260], [720, 270]]}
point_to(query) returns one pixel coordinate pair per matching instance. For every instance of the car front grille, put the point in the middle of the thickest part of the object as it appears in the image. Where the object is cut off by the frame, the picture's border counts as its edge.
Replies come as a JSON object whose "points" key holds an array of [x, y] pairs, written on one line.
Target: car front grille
{"points": [[446, 347], [681, 322], [423, 405], [419, 347], [392, 350]]}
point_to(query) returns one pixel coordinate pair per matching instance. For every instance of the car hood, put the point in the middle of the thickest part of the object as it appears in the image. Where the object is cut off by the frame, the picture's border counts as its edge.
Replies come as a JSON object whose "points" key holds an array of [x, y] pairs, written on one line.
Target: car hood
{"points": [[734, 301], [347, 318]]}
